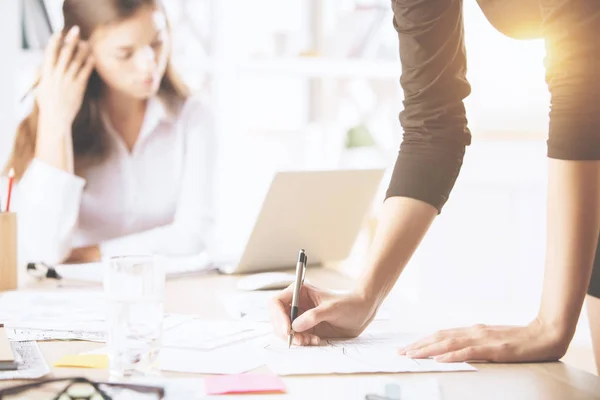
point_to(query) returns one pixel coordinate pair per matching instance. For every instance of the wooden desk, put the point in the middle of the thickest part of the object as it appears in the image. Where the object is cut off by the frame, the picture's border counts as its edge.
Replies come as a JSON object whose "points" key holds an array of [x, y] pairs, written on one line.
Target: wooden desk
{"points": [[543, 381]]}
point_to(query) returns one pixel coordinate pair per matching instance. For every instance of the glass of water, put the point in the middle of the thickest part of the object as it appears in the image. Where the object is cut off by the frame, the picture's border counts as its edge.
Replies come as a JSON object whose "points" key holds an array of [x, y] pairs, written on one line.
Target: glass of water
{"points": [[134, 288]]}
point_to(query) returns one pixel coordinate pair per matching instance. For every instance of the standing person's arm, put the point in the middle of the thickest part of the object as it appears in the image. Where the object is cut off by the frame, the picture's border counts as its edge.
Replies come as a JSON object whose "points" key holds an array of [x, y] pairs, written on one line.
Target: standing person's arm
{"points": [[433, 60], [571, 28], [434, 121]]}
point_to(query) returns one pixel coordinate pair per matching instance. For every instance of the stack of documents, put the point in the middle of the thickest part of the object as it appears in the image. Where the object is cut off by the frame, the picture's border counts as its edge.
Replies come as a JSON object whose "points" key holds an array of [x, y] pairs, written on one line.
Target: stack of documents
{"points": [[72, 315], [31, 362], [8, 360], [53, 315]]}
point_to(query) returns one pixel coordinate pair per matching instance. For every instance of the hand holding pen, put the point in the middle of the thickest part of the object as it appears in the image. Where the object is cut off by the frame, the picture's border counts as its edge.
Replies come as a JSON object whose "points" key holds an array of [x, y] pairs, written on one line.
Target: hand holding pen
{"points": [[309, 314]]}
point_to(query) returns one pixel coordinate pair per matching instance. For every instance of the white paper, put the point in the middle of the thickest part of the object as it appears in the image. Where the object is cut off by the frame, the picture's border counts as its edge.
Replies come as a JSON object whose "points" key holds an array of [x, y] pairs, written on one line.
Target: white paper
{"points": [[174, 267], [39, 335], [202, 334], [87, 331], [68, 315], [232, 359], [51, 309], [32, 362], [373, 352], [254, 306], [235, 358]]}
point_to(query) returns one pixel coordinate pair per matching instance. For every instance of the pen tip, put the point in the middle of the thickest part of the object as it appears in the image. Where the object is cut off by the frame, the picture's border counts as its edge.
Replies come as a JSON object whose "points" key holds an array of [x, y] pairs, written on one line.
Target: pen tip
{"points": [[289, 341]]}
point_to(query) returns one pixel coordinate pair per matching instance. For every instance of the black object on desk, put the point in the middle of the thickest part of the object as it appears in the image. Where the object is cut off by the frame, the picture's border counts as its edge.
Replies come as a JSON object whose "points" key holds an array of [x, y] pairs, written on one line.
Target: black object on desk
{"points": [[42, 270]]}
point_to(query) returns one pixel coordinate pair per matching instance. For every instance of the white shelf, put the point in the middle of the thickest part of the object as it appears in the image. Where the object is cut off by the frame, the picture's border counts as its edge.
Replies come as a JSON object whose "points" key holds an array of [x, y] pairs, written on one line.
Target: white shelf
{"points": [[303, 67], [325, 68]]}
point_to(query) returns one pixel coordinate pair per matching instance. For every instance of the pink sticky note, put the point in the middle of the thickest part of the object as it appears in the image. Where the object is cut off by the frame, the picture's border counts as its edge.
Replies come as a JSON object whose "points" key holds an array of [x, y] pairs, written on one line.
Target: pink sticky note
{"points": [[244, 383]]}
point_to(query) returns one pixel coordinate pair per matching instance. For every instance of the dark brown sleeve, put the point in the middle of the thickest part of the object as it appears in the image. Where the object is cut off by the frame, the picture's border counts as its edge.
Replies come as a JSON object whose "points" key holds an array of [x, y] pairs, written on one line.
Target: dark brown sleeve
{"points": [[572, 32], [432, 53]]}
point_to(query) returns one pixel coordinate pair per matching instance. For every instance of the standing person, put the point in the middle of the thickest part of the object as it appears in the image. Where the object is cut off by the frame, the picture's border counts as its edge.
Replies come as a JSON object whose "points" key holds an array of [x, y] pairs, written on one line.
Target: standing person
{"points": [[434, 81]]}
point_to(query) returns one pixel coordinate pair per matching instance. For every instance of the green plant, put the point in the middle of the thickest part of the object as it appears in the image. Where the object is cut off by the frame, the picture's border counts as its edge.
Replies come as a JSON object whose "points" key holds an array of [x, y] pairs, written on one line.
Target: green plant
{"points": [[359, 136]]}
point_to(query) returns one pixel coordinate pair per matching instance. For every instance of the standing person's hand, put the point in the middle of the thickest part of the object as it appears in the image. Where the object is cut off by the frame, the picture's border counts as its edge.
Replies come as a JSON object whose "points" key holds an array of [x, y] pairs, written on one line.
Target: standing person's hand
{"points": [[322, 314], [66, 69], [534, 342]]}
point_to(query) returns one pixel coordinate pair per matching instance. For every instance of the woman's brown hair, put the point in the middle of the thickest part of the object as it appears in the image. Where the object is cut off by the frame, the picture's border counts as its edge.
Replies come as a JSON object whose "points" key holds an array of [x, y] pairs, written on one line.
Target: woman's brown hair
{"points": [[90, 144]]}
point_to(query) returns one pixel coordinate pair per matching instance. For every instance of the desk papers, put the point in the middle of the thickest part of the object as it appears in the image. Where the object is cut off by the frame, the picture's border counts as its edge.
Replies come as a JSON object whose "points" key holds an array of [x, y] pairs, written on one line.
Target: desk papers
{"points": [[199, 334], [371, 352], [69, 315], [32, 364]]}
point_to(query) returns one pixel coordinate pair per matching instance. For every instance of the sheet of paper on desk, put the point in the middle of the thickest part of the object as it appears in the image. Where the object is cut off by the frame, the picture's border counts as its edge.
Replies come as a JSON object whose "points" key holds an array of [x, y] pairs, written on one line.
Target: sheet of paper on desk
{"points": [[33, 365], [254, 306], [73, 330], [233, 359], [174, 267], [30, 308], [374, 352], [70, 315], [40, 335], [196, 333]]}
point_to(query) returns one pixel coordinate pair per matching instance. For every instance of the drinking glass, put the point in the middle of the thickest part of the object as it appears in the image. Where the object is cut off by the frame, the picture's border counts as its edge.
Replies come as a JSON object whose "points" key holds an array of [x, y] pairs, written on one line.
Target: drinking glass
{"points": [[134, 288]]}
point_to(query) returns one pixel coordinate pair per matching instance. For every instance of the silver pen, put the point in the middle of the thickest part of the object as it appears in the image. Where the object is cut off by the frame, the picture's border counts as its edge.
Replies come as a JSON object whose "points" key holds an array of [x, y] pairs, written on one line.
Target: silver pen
{"points": [[298, 282]]}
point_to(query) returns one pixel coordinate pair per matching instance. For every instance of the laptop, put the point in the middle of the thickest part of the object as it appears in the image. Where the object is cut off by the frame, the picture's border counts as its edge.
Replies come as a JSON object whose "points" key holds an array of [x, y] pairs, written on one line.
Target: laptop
{"points": [[319, 211]]}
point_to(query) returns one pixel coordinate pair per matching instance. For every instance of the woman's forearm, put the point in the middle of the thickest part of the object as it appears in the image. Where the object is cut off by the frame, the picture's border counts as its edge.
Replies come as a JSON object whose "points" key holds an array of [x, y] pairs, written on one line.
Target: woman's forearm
{"points": [[402, 224], [53, 144], [572, 235]]}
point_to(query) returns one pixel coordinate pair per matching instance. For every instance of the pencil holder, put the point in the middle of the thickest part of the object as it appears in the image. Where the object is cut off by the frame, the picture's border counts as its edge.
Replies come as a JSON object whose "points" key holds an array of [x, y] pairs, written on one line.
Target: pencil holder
{"points": [[8, 251]]}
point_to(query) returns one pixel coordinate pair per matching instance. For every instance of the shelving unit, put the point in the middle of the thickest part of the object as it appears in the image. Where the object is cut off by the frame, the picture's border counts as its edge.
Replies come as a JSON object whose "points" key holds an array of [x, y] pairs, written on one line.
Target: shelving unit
{"points": [[326, 68]]}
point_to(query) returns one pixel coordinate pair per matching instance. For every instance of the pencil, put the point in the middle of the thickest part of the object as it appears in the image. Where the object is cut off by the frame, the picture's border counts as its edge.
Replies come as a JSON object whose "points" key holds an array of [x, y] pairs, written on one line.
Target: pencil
{"points": [[11, 178]]}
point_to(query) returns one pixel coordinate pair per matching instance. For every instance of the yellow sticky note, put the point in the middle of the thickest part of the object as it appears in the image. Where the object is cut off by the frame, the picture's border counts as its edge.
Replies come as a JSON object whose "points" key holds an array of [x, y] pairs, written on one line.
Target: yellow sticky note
{"points": [[99, 361]]}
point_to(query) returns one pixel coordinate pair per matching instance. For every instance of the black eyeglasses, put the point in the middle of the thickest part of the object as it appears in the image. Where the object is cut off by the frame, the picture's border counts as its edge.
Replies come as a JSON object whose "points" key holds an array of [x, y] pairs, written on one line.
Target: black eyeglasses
{"points": [[80, 388]]}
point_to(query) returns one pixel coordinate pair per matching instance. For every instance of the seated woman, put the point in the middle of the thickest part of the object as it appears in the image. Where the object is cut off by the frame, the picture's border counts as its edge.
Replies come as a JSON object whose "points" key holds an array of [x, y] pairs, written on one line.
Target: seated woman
{"points": [[115, 157]]}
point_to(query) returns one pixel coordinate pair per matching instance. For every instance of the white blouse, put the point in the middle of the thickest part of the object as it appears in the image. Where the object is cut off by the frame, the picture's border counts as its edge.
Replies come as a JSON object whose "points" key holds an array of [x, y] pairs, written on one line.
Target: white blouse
{"points": [[157, 199]]}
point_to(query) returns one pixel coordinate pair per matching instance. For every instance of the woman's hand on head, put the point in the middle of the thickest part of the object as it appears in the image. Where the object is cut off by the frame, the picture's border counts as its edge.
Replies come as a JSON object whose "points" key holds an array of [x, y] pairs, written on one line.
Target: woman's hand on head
{"points": [[66, 69], [322, 314]]}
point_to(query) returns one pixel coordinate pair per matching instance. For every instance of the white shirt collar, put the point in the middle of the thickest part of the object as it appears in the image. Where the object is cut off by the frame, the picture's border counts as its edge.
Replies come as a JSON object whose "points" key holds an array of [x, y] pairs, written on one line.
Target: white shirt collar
{"points": [[156, 113]]}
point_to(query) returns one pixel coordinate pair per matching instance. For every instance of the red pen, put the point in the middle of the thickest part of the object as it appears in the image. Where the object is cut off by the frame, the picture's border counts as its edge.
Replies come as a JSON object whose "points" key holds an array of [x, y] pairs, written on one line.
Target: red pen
{"points": [[11, 177]]}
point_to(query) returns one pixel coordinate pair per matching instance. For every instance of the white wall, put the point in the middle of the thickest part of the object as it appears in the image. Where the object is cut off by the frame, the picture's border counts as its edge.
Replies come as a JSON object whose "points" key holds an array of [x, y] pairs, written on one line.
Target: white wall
{"points": [[9, 48], [483, 259]]}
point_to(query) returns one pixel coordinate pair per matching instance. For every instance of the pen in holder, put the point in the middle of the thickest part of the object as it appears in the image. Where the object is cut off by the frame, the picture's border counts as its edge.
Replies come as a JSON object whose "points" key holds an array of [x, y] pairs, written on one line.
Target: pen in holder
{"points": [[8, 251]]}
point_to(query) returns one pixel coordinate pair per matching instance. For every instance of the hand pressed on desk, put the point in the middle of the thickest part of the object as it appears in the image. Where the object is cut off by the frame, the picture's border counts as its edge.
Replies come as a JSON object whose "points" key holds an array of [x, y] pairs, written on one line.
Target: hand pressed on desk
{"points": [[322, 314], [534, 342]]}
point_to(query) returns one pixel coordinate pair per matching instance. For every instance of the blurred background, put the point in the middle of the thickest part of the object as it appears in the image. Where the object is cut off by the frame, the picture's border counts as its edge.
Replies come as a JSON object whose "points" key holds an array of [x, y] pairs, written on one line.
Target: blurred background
{"points": [[311, 84]]}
